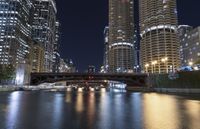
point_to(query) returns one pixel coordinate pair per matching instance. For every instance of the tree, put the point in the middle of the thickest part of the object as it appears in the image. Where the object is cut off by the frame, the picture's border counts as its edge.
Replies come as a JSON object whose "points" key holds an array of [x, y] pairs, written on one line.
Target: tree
{"points": [[6, 72], [198, 61]]}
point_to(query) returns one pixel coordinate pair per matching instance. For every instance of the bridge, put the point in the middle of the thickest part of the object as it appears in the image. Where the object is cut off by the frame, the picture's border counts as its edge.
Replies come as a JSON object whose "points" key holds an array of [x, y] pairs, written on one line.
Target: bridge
{"points": [[132, 80]]}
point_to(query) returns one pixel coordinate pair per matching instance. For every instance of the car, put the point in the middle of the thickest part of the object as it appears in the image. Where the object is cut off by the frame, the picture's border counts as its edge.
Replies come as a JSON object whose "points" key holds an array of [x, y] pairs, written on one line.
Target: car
{"points": [[186, 68]]}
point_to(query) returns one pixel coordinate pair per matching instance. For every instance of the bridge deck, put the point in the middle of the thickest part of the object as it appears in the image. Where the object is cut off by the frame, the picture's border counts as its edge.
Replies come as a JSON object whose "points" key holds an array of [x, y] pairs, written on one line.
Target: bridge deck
{"points": [[129, 79]]}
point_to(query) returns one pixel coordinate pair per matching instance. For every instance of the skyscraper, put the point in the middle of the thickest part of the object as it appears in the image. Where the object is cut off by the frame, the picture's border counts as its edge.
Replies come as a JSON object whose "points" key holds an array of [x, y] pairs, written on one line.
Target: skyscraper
{"points": [[15, 36], [182, 32], [121, 28], [189, 45], [106, 50], [56, 55], [159, 43], [37, 57], [136, 51], [15, 31], [44, 29]]}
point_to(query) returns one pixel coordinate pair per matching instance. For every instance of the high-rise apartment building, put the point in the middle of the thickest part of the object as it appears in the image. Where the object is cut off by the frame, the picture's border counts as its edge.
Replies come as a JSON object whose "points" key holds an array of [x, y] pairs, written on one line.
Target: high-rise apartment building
{"points": [[37, 57], [121, 28], [44, 29], [91, 69], [66, 66], [15, 36], [182, 32], [136, 51], [106, 50], [189, 45], [159, 43], [56, 55]]}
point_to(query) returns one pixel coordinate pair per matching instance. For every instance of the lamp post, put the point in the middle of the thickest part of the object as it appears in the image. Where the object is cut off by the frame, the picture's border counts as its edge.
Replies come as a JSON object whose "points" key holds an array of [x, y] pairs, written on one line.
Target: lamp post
{"points": [[146, 67], [191, 63], [154, 64], [164, 60]]}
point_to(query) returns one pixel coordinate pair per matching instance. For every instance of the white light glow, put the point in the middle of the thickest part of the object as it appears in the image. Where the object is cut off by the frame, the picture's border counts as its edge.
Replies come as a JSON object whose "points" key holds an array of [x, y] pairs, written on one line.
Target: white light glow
{"points": [[158, 27], [121, 43]]}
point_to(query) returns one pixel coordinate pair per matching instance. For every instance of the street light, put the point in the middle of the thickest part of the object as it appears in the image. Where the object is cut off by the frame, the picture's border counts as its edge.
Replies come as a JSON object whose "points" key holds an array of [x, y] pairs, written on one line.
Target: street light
{"points": [[146, 66], [191, 63], [164, 60], [154, 63]]}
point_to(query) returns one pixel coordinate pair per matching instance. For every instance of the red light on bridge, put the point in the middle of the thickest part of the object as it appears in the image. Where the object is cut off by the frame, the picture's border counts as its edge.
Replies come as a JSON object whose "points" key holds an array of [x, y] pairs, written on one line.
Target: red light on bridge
{"points": [[91, 77]]}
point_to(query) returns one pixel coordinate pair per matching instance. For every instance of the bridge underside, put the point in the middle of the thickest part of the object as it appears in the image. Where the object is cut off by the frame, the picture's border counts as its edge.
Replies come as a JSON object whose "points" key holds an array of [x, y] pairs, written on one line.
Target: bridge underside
{"points": [[132, 80]]}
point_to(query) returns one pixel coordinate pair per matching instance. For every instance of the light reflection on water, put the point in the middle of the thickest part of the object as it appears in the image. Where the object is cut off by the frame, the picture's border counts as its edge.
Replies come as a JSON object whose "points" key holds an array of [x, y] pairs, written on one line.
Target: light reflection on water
{"points": [[79, 102], [57, 111], [13, 109], [91, 108], [192, 109], [160, 109], [97, 110]]}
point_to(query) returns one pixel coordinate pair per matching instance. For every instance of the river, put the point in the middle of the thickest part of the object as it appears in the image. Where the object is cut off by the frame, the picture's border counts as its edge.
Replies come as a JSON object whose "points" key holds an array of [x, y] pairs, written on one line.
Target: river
{"points": [[98, 110]]}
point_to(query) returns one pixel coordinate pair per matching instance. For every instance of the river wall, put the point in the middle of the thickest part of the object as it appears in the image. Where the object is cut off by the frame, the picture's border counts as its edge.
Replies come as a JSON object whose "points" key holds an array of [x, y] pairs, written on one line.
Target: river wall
{"points": [[180, 82], [7, 88]]}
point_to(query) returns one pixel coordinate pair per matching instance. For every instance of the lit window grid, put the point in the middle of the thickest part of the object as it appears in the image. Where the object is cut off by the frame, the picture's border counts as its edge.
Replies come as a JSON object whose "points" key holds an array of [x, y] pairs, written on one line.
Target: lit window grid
{"points": [[121, 29], [190, 47], [10, 36], [158, 26]]}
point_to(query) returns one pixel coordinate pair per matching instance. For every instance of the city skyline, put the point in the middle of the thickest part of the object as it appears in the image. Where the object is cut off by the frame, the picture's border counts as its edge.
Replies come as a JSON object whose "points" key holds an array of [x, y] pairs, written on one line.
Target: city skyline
{"points": [[90, 29], [73, 64]]}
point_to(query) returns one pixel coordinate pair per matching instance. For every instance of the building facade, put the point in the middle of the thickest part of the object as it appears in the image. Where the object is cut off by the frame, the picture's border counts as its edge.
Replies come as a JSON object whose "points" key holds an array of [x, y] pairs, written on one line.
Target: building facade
{"points": [[56, 55], [136, 51], [158, 29], [15, 36], [106, 50], [189, 45], [91, 69], [121, 28], [37, 57], [66, 66], [44, 29]]}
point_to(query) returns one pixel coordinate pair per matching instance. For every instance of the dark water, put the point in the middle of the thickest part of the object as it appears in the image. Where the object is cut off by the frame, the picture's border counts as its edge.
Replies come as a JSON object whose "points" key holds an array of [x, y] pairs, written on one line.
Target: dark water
{"points": [[108, 110]]}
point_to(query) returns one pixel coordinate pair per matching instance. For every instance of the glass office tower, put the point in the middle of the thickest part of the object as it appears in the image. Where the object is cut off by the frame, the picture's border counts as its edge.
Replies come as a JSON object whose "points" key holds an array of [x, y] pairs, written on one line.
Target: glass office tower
{"points": [[15, 37]]}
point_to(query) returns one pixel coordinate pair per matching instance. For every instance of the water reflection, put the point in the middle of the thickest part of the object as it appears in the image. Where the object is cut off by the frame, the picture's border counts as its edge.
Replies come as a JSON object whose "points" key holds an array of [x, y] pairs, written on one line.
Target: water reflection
{"points": [[57, 110], [13, 110], [103, 90], [98, 110], [192, 109], [68, 98], [105, 114], [79, 102], [91, 109], [162, 110], [136, 110]]}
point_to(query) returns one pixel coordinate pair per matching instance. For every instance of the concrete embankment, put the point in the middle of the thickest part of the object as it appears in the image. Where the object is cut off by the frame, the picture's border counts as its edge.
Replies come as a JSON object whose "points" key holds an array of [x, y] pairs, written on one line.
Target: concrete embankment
{"points": [[182, 82], [177, 90], [164, 90], [139, 89], [7, 88]]}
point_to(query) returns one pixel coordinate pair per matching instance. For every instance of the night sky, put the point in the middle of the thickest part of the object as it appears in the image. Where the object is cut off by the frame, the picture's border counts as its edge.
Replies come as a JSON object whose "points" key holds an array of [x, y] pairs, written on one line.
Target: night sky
{"points": [[83, 22]]}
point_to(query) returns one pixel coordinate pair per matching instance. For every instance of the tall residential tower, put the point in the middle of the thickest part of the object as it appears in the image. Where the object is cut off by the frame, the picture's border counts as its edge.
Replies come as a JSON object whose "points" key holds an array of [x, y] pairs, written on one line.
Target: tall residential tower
{"points": [[121, 29], [56, 57], [106, 48], [189, 45], [159, 43], [44, 29]]}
